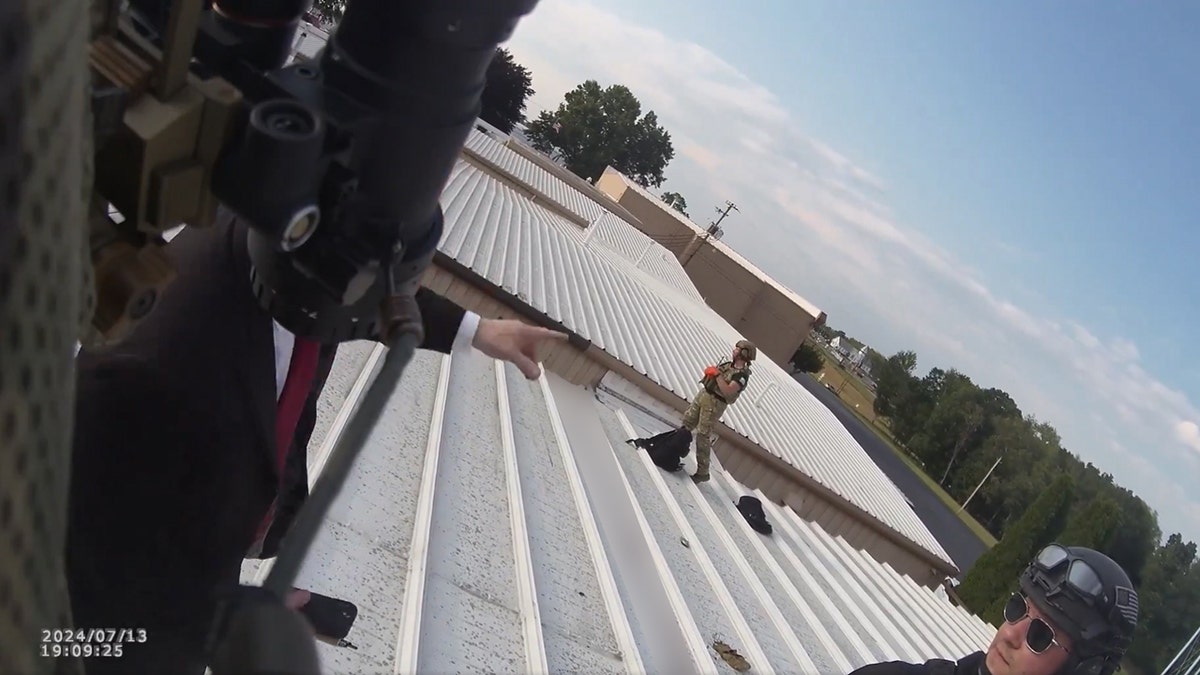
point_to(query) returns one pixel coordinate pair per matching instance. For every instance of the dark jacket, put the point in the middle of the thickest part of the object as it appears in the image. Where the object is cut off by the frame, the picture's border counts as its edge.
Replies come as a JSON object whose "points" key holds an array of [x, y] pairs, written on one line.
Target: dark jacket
{"points": [[972, 664], [172, 468]]}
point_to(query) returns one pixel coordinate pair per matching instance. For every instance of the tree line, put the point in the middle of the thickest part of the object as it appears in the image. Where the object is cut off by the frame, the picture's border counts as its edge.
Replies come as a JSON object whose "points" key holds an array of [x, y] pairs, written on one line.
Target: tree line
{"points": [[1038, 493]]}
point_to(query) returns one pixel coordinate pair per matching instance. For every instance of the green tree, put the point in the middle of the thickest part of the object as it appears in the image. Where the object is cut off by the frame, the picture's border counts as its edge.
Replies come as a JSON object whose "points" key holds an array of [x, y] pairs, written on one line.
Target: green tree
{"points": [[675, 201], [1015, 483], [1169, 599], [509, 86], [807, 359], [997, 571], [1137, 534], [912, 409], [1093, 526], [951, 423], [595, 128], [874, 361], [894, 382]]}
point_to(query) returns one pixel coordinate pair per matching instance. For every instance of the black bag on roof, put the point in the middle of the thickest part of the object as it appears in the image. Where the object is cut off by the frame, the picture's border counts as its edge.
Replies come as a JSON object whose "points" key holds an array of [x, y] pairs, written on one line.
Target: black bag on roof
{"points": [[666, 449], [752, 510]]}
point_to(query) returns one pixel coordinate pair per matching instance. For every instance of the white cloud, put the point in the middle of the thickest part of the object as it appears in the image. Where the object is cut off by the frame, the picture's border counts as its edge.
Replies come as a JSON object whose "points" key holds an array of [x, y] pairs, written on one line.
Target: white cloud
{"points": [[819, 222], [1188, 433]]}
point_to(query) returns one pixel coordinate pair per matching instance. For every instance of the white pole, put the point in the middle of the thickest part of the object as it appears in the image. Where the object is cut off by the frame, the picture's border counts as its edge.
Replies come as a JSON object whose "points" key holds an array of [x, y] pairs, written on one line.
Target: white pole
{"points": [[762, 394], [1189, 646], [985, 477], [643, 254]]}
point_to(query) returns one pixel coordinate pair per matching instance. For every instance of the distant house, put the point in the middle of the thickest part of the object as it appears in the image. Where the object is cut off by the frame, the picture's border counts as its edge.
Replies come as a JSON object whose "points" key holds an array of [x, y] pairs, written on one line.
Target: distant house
{"points": [[841, 345], [848, 353]]}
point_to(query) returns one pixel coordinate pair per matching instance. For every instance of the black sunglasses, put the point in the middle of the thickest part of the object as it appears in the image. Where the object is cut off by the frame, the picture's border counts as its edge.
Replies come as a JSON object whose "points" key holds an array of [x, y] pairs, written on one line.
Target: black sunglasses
{"points": [[1039, 636]]}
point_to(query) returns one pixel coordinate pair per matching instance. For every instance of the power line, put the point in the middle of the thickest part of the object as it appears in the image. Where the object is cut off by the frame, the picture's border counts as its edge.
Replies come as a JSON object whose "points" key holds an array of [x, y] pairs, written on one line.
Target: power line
{"points": [[712, 229]]}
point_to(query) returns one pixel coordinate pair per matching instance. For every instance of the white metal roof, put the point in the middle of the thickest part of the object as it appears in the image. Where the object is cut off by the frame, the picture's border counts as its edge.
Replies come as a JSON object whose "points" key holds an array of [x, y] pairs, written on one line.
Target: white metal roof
{"points": [[603, 228], [646, 254], [526, 171], [501, 525], [750, 267], [669, 337]]}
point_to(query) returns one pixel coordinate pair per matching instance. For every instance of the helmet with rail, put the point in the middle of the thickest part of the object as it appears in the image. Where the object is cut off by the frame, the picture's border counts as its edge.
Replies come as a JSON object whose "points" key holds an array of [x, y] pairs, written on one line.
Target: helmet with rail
{"points": [[1088, 596]]}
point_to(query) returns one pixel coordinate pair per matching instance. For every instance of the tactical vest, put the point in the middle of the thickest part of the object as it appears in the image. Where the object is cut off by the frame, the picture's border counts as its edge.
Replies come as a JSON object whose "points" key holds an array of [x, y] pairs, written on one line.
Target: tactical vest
{"points": [[726, 370]]}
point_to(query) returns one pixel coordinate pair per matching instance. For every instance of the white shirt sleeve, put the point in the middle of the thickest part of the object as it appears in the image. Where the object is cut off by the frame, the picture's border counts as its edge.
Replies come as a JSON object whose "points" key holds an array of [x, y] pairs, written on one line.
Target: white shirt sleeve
{"points": [[466, 333], [284, 342]]}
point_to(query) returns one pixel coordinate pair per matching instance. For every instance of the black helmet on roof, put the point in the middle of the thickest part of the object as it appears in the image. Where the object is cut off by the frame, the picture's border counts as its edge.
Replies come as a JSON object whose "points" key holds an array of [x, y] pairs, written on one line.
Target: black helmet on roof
{"points": [[1086, 595]]}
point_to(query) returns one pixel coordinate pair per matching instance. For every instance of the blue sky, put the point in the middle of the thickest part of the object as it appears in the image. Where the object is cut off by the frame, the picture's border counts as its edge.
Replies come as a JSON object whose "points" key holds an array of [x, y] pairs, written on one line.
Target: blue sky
{"points": [[1007, 188]]}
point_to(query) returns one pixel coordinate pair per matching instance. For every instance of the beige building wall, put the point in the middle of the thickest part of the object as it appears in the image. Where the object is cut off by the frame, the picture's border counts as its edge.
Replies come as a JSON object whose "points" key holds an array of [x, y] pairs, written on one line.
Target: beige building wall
{"points": [[756, 308], [655, 222], [780, 328]]}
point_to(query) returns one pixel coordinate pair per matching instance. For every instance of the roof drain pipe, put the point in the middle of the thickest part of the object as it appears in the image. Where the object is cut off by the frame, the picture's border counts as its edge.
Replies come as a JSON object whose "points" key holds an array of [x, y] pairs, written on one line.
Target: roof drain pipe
{"points": [[645, 252], [590, 230], [762, 394]]}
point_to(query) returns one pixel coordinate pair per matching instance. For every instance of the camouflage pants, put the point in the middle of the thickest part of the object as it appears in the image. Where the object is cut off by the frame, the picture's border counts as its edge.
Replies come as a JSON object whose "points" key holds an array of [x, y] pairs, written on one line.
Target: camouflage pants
{"points": [[700, 417]]}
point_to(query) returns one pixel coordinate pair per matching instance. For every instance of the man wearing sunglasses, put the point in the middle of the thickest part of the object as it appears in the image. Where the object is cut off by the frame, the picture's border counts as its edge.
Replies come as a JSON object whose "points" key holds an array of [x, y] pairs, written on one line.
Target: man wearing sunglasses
{"points": [[1074, 614]]}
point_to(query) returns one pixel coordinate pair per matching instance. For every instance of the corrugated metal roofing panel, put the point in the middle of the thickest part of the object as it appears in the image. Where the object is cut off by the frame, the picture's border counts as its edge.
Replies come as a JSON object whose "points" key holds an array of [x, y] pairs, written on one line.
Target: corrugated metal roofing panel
{"points": [[471, 465], [533, 175], [643, 253], [493, 230], [604, 229]]}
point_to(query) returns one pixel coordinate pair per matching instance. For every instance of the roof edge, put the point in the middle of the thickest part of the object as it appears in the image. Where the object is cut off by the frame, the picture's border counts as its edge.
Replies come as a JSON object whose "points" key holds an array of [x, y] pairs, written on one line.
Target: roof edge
{"points": [[784, 469]]}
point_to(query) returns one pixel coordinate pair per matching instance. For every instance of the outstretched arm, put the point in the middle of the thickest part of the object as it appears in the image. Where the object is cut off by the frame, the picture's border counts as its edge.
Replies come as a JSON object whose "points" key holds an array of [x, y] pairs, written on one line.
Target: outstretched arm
{"points": [[515, 342], [449, 327]]}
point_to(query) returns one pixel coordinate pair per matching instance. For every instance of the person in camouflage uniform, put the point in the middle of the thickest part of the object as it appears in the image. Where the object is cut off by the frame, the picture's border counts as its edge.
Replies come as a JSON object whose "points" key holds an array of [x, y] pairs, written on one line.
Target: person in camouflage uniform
{"points": [[723, 384]]}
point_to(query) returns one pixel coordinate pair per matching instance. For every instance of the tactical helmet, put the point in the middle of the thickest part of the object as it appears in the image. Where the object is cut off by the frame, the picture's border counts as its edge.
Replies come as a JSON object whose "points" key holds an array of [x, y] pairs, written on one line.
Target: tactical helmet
{"points": [[747, 350], [1086, 595]]}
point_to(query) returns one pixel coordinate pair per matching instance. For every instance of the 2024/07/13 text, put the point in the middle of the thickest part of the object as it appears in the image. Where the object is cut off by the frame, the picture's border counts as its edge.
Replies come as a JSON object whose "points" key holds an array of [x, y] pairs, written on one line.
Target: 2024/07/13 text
{"points": [[89, 642]]}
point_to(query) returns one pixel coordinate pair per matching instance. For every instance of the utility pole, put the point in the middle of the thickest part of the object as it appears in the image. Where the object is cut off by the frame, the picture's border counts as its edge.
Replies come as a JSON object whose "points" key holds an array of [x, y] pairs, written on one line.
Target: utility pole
{"points": [[729, 206], [711, 230], [985, 477]]}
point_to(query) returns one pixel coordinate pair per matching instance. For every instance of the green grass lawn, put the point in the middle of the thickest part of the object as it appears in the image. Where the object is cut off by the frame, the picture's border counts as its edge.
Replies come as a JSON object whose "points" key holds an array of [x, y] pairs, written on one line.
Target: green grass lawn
{"points": [[848, 387]]}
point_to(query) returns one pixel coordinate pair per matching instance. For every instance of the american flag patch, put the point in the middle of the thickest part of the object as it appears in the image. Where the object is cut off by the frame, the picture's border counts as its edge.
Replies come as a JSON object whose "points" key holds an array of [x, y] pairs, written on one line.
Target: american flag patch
{"points": [[1127, 604]]}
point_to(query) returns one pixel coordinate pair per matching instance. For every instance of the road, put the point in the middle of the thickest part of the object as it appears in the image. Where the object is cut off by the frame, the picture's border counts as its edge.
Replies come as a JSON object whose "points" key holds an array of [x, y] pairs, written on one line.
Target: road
{"points": [[963, 546]]}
